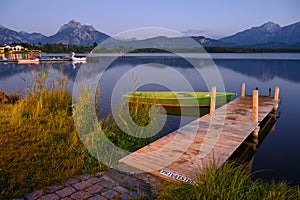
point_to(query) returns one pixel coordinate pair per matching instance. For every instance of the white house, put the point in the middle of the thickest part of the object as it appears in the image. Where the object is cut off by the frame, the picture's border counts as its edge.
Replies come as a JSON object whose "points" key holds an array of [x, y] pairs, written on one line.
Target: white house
{"points": [[4, 46], [17, 48], [13, 48]]}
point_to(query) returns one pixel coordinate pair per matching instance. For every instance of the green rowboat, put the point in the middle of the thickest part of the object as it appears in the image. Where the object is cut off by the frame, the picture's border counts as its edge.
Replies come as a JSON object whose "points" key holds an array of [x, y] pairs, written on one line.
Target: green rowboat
{"points": [[177, 100]]}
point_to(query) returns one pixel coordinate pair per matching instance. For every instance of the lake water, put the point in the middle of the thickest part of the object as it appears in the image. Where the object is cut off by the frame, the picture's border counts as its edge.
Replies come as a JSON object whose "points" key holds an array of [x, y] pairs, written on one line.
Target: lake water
{"points": [[278, 157]]}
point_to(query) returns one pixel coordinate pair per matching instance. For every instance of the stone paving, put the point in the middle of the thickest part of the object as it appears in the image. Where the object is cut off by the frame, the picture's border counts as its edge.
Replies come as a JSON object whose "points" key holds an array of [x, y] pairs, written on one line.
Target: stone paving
{"points": [[110, 184]]}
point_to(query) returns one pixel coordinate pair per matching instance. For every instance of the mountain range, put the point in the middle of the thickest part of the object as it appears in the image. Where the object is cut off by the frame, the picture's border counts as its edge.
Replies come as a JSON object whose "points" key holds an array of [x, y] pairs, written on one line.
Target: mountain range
{"points": [[71, 33], [268, 35]]}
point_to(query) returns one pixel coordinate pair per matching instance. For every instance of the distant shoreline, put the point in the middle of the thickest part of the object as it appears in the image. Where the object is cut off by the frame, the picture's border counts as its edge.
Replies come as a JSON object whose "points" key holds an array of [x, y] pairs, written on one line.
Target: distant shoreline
{"points": [[63, 57], [218, 50], [62, 48]]}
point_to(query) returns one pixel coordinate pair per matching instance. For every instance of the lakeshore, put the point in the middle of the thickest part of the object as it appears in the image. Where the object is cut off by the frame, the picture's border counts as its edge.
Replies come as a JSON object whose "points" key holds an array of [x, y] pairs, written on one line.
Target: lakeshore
{"points": [[259, 72]]}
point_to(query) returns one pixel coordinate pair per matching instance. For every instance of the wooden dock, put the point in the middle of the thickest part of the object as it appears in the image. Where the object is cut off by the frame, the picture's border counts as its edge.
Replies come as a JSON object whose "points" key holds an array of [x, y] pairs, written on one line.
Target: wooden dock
{"points": [[183, 154]]}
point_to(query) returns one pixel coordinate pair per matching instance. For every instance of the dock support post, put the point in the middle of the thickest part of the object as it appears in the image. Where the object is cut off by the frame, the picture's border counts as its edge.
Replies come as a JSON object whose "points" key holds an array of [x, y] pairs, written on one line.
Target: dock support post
{"points": [[255, 111], [255, 106], [276, 96], [269, 92], [276, 93], [243, 90], [255, 132], [213, 99]]}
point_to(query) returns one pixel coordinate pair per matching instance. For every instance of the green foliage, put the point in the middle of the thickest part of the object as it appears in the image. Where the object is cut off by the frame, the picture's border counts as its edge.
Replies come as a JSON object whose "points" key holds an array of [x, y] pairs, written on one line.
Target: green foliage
{"points": [[229, 182]]}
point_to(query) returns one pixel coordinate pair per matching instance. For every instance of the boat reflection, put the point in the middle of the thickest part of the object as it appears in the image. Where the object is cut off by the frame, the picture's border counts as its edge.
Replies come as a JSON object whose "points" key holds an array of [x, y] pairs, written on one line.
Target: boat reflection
{"points": [[77, 64]]}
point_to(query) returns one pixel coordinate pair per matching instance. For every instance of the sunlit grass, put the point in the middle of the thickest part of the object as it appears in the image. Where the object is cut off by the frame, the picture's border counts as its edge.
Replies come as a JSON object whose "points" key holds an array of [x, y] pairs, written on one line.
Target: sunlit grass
{"points": [[229, 182], [39, 144]]}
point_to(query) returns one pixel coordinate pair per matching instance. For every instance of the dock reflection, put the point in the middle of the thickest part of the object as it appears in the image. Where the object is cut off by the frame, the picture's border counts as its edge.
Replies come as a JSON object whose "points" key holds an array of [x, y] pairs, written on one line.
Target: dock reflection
{"points": [[246, 152]]}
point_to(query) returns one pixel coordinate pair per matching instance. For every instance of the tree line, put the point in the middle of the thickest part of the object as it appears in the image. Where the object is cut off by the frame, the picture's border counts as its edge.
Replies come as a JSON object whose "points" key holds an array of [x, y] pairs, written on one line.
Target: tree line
{"points": [[59, 48], [63, 48]]}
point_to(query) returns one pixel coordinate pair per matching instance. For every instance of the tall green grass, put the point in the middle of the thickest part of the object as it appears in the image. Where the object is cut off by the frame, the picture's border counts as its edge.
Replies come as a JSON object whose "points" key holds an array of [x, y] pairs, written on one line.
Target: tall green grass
{"points": [[139, 114], [39, 144], [104, 138], [230, 182]]}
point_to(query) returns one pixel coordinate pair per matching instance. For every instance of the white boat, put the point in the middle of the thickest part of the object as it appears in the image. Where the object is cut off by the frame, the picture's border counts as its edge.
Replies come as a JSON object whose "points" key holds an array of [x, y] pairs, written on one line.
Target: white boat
{"points": [[78, 59]]}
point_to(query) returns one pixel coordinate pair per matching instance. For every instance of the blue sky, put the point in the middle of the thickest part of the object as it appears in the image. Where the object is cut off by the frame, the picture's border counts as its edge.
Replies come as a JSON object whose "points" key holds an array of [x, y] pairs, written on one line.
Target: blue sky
{"points": [[211, 18]]}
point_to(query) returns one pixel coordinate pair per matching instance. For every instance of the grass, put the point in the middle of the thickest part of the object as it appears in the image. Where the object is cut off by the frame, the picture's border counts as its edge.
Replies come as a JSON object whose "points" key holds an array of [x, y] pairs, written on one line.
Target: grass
{"points": [[141, 135], [39, 144], [112, 138], [229, 182]]}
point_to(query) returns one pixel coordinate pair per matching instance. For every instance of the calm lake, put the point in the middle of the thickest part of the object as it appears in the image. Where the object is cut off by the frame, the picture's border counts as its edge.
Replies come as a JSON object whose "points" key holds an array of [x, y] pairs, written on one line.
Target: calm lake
{"points": [[277, 158]]}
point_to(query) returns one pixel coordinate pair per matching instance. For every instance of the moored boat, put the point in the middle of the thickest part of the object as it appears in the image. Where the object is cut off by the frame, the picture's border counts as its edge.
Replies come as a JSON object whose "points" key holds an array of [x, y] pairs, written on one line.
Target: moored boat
{"points": [[28, 60], [174, 102], [77, 59]]}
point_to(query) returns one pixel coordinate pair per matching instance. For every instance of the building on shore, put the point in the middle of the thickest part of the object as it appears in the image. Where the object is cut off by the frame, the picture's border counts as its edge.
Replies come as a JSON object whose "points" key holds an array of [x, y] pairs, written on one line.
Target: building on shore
{"points": [[15, 52], [11, 48]]}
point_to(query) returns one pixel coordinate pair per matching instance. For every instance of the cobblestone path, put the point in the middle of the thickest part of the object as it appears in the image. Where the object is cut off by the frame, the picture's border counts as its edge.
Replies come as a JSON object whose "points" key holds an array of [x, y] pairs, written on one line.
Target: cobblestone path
{"points": [[110, 184]]}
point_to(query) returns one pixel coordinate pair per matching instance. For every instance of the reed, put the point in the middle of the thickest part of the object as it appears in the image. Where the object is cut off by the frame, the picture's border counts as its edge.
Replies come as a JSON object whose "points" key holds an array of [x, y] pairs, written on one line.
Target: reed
{"points": [[231, 181], [139, 114]]}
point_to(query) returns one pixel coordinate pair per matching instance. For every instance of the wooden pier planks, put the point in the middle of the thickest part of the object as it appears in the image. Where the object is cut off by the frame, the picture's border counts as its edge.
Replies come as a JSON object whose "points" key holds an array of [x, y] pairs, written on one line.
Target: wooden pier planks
{"points": [[191, 148]]}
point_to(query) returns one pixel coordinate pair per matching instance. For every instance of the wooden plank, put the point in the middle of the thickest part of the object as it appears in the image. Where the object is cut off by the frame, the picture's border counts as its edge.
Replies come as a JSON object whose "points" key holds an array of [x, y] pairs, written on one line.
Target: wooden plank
{"points": [[192, 147]]}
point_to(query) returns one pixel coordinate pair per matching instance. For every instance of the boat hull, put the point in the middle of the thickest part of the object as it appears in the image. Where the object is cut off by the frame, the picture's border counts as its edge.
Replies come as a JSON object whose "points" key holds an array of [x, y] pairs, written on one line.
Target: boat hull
{"points": [[78, 59], [26, 61], [178, 103]]}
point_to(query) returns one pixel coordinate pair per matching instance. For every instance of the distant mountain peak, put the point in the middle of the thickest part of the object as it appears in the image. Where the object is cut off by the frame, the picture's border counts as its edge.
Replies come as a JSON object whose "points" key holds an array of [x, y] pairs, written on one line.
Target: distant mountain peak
{"points": [[73, 24], [70, 24], [270, 26], [23, 32], [73, 21], [76, 33]]}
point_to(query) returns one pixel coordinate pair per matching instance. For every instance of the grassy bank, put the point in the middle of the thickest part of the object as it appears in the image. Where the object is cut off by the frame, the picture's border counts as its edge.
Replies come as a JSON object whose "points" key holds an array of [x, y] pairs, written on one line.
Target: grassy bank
{"points": [[39, 144], [229, 182]]}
